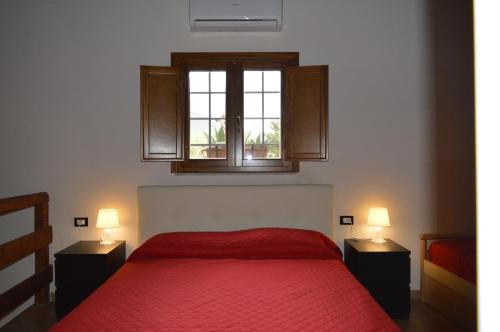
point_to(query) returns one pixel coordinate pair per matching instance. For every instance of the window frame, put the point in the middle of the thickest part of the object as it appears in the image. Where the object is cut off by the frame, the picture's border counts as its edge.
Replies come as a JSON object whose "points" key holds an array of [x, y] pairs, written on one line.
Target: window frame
{"points": [[234, 63]]}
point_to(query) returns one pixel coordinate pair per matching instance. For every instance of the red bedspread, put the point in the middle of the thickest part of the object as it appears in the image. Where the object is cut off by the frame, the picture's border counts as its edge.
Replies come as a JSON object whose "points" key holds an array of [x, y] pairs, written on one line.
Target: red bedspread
{"points": [[456, 256], [154, 293]]}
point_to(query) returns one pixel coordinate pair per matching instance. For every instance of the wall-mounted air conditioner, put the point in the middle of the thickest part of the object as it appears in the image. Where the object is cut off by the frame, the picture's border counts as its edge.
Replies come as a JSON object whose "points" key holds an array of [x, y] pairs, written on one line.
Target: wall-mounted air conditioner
{"points": [[236, 15]]}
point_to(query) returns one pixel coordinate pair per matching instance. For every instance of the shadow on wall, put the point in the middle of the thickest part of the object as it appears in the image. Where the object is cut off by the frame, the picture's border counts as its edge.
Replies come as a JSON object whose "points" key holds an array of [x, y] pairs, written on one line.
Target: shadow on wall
{"points": [[453, 139]]}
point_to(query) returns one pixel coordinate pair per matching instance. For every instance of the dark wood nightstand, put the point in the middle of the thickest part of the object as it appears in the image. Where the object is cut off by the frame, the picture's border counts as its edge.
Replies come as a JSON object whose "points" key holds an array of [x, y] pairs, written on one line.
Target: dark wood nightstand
{"points": [[83, 267], [384, 269]]}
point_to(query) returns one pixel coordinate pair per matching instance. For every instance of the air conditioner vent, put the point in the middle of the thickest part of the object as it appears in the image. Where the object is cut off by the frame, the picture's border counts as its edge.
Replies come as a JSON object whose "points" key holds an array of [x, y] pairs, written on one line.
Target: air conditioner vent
{"points": [[241, 15]]}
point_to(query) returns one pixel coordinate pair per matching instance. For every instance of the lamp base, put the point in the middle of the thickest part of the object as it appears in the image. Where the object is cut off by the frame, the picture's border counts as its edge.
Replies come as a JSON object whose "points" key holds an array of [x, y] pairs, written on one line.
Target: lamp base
{"points": [[379, 240], [106, 237], [106, 242]]}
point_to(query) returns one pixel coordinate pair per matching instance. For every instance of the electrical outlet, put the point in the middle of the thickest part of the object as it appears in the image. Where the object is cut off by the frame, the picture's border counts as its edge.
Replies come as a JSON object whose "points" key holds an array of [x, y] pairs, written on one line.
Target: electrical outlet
{"points": [[347, 220], [81, 221]]}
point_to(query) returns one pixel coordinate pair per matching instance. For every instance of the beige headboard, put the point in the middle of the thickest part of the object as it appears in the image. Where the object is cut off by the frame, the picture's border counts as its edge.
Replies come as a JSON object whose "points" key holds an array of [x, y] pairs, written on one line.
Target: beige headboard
{"points": [[224, 208]]}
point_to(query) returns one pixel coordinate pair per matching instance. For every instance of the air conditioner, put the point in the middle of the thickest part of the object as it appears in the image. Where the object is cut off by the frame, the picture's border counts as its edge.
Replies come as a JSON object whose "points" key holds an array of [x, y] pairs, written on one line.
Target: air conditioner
{"points": [[236, 15]]}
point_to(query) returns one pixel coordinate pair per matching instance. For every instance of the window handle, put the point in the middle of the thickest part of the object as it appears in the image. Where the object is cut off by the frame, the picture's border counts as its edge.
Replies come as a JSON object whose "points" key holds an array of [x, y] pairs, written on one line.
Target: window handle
{"points": [[238, 119]]}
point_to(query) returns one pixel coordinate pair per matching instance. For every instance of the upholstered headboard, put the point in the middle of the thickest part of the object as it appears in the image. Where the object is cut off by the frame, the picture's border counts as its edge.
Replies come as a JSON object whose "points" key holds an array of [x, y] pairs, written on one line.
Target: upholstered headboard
{"points": [[224, 208]]}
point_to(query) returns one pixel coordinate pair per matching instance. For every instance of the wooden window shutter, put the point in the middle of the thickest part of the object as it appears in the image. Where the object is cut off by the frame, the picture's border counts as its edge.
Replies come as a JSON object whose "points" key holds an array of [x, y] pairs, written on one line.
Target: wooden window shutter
{"points": [[162, 113], [307, 113]]}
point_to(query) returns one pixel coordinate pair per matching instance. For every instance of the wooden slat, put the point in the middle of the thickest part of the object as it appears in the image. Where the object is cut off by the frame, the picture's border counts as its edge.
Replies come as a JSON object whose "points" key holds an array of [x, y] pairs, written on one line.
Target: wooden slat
{"points": [[42, 254], [12, 251], [442, 236], [423, 256], [18, 294], [452, 281], [12, 204]]}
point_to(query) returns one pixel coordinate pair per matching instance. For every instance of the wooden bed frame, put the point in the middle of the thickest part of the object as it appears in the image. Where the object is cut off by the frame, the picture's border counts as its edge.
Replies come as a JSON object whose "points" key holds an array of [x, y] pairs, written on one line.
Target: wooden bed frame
{"points": [[451, 295], [36, 242]]}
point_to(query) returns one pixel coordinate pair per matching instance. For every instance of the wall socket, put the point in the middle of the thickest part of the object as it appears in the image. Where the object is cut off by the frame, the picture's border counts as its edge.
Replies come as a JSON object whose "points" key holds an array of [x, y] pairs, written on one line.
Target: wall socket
{"points": [[81, 221], [347, 220]]}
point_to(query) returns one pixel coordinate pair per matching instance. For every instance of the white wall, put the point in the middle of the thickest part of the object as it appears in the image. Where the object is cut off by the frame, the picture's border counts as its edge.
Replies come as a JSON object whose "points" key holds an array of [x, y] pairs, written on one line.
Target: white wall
{"points": [[69, 103]]}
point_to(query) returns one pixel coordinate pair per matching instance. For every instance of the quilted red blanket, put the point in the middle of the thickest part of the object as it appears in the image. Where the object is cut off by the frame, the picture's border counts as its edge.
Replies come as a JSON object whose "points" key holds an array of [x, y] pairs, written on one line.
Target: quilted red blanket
{"points": [[257, 280], [456, 256]]}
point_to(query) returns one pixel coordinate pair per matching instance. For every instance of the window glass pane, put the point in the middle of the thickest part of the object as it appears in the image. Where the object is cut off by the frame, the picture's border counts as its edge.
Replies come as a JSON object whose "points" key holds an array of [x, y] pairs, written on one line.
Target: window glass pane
{"points": [[273, 151], [253, 140], [218, 81], [214, 152], [272, 105], [253, 131], [272, 133], [253, 105], [198, 105], [272, 81], [256, 151], [198, 132], [207, 152], [252, 81], [198, 152], [218, 105], [218, 132], [198, 81], [217, 149]]}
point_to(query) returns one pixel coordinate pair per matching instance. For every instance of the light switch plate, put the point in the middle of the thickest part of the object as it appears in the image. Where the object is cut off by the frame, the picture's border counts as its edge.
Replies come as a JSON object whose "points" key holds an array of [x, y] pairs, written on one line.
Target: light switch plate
{"points": [[347, 220], [81, 221]]}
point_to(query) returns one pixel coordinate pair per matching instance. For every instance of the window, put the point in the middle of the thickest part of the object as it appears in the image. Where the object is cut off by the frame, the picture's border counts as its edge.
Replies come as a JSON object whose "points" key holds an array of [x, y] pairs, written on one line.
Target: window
{"points": [[261, 109], [234, 112]]}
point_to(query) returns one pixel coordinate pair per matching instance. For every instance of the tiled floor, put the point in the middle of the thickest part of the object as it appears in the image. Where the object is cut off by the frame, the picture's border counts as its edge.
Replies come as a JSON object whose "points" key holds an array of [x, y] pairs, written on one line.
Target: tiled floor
{"points": [[425, 319], [422, 319], [34, 319]]}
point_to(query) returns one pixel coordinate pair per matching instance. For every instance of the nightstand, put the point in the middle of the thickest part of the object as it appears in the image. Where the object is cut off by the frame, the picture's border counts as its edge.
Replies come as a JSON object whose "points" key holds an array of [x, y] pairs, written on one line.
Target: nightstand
{"points": [[384, 270], [82, 268]]}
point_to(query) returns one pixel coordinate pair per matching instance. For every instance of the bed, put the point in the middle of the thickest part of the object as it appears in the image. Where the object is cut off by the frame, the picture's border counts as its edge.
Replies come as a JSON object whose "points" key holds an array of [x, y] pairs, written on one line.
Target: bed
{"points": [[263, 279], [448, 276]]}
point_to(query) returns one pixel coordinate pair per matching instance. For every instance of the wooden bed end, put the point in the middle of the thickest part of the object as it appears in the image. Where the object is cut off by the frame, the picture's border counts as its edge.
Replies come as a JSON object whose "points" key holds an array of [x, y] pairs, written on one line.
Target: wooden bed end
{"points": [[426, 238], [449, 294]]}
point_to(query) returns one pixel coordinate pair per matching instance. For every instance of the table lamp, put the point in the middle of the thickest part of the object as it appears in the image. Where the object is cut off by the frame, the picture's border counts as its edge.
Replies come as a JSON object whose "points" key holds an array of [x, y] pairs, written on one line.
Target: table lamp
{"points": [[378, 217], [107, 219]]}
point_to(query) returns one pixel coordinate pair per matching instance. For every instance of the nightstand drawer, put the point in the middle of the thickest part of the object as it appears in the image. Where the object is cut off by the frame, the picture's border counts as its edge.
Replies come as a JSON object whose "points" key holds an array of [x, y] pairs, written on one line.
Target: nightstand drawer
{"points": [[383, 268], [80, 270], [393, 298]]}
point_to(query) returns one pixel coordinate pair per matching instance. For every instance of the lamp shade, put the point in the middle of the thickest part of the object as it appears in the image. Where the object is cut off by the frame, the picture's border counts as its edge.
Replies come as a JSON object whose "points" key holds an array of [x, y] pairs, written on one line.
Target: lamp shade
{"points": [[107, 218], [378, 217]]}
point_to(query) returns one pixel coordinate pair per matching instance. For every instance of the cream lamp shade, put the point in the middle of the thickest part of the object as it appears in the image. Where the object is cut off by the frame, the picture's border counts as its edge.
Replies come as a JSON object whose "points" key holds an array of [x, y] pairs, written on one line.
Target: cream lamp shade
{"points": [[107, 219], [378, 217]]}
